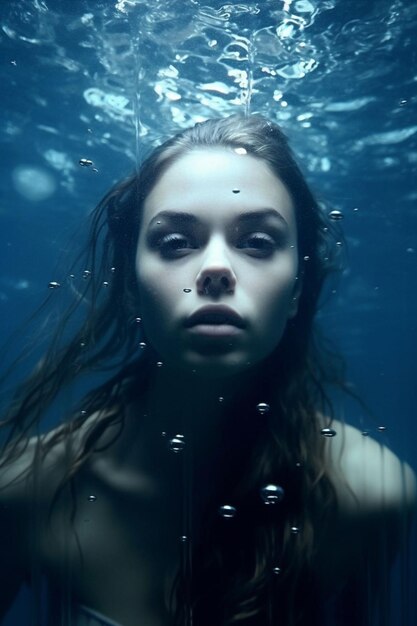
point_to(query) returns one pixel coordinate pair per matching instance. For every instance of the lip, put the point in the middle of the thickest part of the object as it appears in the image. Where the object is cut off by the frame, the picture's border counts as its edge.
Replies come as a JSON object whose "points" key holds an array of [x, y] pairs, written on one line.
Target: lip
{"points": [[215, 319]]}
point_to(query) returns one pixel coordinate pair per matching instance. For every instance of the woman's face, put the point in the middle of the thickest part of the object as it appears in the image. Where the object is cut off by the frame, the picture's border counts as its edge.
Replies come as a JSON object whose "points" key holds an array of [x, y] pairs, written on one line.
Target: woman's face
{"points": [[217, 262]]}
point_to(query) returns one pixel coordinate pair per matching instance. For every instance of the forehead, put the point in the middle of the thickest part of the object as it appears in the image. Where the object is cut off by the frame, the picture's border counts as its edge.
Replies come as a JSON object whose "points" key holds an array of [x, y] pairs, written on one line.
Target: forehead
{"points": [[217, 181]]}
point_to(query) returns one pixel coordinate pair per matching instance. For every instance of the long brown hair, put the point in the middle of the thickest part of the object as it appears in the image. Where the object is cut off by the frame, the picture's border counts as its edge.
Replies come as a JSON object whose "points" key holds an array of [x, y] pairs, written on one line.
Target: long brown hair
{"points": [[267, 560]]}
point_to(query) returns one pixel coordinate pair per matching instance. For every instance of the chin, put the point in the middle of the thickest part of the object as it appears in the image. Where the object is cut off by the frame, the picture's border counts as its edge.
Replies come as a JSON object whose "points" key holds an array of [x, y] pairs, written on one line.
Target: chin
{"points": [[216, 367]]}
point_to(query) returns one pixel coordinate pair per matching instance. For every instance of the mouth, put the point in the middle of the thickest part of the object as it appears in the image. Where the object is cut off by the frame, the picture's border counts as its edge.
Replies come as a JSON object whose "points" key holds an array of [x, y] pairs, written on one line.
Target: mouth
{"points": [[216, 320]]}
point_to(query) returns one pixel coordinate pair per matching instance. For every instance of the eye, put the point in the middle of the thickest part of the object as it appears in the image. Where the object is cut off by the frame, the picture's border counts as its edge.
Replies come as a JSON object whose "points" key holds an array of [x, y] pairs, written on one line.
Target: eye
{"points": [[173, 245], [258, 245]]}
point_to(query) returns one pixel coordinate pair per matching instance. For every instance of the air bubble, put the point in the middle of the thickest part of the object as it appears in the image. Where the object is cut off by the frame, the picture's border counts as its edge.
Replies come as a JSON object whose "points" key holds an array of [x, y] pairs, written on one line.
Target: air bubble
{"points": [[328, 432], [306, 258], [272, 494], [336, 215], [356, 209], [339, 243], [105, 283], [83, 412], [227, 511], [177, 443], [86, 274], [382, 428], [365, 433], [221, 399], [53, 284], [159, 364], [92, 498], [112, 269], [295, 530], [240, 150], [276, 570], [142, 345], [85, 162], [262, 408], [187, 290], [183, 538], [298, 464], [235, 190], [138, 320]]}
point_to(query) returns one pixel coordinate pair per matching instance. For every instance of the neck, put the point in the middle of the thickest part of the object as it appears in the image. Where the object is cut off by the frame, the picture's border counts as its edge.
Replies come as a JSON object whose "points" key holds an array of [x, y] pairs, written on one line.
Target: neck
{"points": [[211, 414]]}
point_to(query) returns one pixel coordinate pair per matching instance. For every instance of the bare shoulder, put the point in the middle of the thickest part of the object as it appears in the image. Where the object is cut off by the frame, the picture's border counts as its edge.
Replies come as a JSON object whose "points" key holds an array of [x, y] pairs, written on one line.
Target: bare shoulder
{"points": [[376, 478]]}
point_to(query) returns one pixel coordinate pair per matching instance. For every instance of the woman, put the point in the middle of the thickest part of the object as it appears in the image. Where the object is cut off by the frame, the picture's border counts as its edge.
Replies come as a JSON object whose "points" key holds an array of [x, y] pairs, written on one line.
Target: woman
{"points": [[206, 482]]}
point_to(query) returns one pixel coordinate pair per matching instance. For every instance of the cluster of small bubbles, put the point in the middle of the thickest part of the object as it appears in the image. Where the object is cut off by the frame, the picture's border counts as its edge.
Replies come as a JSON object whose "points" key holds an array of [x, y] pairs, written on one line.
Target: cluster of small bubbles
{"points": [[86, 274], [142, 345], [105, 283], [227, 510], [138, 320], [336, 215], [159, 364], [92, 498], [85, 162], [262, 408], [306, 258], [365, 433], [276, 570], [177, 443], [236, 190], [272, 494], [382, 428], [221, 399], [240, 150], [53, 284], [295, 530], [187, 290], [328, 432]]}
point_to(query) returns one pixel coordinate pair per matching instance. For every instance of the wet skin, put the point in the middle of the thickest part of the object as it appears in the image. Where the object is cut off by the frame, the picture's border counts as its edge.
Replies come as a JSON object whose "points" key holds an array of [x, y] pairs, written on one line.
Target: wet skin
{"points": [[231, 249]]}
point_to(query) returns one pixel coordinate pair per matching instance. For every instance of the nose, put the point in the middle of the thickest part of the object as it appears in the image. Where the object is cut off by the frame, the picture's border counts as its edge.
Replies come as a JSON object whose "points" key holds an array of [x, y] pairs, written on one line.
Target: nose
{"points": [[216, 276]]}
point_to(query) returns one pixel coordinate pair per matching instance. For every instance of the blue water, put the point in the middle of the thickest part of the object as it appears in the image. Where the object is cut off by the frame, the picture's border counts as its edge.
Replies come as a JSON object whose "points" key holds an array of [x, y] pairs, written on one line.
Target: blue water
{"points": [[105, 80]]}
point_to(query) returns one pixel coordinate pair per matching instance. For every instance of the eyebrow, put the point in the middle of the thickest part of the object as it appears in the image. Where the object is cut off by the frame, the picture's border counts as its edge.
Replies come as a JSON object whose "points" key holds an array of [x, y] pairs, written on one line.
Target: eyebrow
{"points": [[190, 219]]}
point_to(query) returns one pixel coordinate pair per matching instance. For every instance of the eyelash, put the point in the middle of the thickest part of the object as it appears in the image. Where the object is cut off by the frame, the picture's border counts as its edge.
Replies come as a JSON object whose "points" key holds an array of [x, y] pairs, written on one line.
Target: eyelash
{"points": [[170, 245]]}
